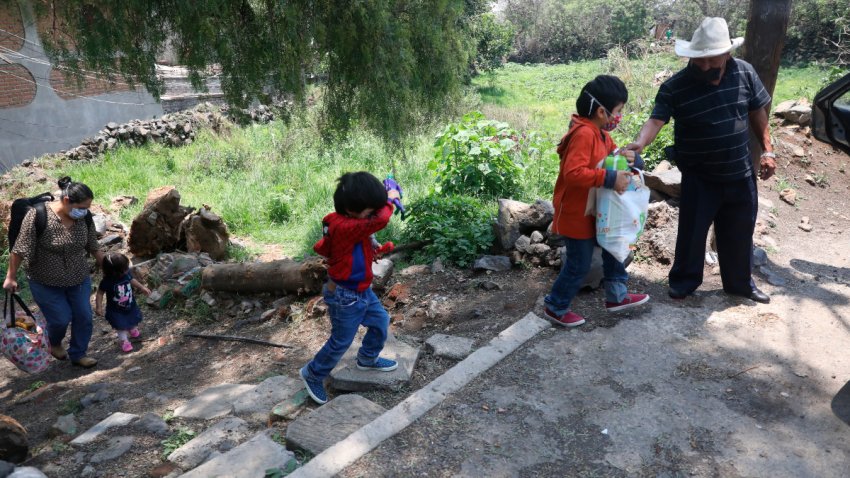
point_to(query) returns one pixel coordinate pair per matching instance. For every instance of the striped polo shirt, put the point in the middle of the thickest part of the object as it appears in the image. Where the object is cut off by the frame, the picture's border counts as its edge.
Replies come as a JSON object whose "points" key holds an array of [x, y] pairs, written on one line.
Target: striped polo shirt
{"points": [[711, 130]]}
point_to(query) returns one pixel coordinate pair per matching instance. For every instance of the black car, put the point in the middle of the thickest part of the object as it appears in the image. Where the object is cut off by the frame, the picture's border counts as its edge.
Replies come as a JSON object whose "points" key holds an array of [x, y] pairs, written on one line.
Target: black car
{"points": [[831, 114]]}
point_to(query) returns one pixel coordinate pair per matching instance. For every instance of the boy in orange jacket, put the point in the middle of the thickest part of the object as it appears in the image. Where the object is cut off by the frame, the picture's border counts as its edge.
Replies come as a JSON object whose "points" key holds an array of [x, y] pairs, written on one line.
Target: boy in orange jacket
{"points": [[586, 144]]}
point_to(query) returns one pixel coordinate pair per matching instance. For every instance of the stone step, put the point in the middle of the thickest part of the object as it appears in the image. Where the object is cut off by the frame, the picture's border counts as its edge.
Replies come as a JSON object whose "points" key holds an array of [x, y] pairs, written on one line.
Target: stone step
{"points": [[117, 419], [248, 460], [331, 422], [450, 346], [221, 437], [252, 401], [346, 376]]}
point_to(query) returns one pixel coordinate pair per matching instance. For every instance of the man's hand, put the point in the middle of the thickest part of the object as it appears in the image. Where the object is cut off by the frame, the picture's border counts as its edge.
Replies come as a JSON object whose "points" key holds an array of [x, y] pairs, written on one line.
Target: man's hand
{"points": [[633, 147], [767, 167], [629, 154], [622, 182]]}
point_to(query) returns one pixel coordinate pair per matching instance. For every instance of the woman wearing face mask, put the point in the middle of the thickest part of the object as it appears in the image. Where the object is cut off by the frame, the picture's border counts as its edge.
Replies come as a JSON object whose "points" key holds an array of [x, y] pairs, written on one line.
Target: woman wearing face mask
{"points": [[58, 270]]}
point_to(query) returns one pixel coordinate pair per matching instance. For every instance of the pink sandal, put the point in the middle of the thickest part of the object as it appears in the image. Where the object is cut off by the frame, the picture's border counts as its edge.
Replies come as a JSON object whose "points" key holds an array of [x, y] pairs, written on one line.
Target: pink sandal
{"points": [[126, 346], [134, 333]]}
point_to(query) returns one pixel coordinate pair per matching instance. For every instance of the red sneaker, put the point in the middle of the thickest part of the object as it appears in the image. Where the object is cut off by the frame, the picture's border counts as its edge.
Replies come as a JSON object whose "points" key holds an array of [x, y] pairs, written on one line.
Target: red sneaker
{"points": [[570, 319], [631, 300]]}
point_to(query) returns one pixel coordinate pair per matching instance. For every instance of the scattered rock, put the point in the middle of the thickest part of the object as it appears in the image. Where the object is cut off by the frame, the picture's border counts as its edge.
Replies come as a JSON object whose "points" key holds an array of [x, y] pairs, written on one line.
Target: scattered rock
{"points": [[118, 446], [765, 203], [805, 224], [797, 150], [711, 258], [537, 237], [667, 182], [522, 243], [809, 179], [101, 223], [110, 240], [437, 266], [153, 424], [788, 195], [516, 218], [117, 419], [65, 425], [157, 397], [27, 472], [448, 346], [382, 271], [206, 232], [6, 468], [330, 423], [221, 437], [489, 285], [492, 263], [90, 399], [88, 472]]}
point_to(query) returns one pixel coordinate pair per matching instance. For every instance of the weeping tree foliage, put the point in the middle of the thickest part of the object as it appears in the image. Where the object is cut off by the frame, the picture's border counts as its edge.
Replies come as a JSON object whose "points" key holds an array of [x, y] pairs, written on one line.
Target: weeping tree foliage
{"points": [[390, 64]]}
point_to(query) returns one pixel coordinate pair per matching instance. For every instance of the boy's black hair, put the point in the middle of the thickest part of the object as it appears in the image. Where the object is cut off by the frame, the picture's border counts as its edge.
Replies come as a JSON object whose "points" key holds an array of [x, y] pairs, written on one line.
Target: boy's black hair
{"points": [[75, 192], [608, 90], [358, 191], [115, 265]]}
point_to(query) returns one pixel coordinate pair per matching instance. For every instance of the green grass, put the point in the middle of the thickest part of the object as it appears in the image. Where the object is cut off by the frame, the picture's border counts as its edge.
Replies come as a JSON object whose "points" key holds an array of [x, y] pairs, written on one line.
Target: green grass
{"points": [[175, 441], [246, 177], [795, 82]]}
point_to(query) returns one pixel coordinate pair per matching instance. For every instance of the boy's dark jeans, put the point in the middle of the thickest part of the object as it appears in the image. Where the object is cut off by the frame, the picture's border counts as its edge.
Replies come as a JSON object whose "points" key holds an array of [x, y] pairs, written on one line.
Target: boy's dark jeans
{"points": [[349, 310], [575, 268]]}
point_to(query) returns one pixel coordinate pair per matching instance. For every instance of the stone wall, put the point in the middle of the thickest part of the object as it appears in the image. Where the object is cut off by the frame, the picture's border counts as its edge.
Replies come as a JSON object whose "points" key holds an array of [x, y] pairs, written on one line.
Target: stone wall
{"points": [[41, 112]]}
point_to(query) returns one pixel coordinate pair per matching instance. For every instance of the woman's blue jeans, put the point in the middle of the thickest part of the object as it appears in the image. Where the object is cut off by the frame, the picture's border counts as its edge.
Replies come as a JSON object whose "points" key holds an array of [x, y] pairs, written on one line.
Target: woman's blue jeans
{"points": [[574, 270], [62, 306], [349, 310]]}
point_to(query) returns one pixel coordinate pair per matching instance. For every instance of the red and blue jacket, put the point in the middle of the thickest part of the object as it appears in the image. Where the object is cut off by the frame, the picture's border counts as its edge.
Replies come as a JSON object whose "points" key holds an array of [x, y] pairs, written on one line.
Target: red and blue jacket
{"points": [[345, 243]]}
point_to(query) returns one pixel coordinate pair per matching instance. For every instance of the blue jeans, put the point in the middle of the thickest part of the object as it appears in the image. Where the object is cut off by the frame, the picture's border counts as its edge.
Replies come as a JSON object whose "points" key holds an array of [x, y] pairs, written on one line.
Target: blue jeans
{"points": [[576, 267], [62, 306], [349, 310]]}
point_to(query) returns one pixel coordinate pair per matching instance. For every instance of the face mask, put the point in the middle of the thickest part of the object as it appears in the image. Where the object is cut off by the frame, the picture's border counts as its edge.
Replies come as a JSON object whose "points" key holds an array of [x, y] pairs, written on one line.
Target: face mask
{"points": [[615, 119], [612, 125], [707, 76], [78, 213]]}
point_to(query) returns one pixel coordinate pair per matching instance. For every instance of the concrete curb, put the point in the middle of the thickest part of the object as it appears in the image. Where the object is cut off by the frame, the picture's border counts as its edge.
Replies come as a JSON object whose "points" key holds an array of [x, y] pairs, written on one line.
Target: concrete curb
{"points": [[343, 453]]}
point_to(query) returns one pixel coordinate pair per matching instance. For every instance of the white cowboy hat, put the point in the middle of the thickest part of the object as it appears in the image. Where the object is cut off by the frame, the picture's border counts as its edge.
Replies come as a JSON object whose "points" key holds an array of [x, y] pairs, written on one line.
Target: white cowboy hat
{"points": [[710, 39]]}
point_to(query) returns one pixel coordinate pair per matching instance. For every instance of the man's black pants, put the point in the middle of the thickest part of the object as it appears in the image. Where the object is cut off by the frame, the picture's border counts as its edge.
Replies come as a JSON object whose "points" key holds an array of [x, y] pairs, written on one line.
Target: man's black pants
{"points": [[732, 206]]}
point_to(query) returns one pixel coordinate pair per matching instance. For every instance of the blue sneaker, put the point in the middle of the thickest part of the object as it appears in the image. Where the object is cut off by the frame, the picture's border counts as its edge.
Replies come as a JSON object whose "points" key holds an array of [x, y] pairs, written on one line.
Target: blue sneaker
{"points": [[381, 365], [314, 387]]}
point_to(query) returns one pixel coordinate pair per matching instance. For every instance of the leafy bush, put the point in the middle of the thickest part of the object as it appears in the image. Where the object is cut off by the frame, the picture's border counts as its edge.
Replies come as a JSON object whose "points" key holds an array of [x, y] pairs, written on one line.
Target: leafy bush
{"points": [[459, 228], [477, 157], [278, 210]]}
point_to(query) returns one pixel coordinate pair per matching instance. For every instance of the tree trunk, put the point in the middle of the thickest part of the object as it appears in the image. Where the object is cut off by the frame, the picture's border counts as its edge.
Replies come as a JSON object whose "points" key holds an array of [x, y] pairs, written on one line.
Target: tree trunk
{"points": [[284, 275], [766, 26]]}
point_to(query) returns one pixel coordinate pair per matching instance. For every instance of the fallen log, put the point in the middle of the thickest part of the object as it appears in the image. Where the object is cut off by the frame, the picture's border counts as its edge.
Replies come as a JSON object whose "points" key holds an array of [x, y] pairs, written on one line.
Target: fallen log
{"points": [[14, 444], [283, 275]]}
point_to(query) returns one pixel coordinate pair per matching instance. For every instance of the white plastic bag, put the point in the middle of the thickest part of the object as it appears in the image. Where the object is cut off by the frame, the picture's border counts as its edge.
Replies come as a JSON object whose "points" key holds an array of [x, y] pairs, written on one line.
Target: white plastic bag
{"points": [[620, 217]]}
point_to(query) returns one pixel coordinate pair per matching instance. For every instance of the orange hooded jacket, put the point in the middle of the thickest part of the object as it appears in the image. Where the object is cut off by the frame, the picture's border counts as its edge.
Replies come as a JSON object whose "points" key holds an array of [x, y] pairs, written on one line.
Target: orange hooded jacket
{"points": [[581, 149]]}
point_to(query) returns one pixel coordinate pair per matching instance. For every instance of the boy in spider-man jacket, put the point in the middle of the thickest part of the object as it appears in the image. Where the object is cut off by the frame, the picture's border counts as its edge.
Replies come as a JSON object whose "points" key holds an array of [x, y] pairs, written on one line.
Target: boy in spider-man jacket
{"points": [[363, 206]]}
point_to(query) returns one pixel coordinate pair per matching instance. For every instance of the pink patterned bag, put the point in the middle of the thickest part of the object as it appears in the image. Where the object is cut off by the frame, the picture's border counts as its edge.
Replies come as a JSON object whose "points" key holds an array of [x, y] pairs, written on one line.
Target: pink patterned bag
{"points": [[24, 340]]}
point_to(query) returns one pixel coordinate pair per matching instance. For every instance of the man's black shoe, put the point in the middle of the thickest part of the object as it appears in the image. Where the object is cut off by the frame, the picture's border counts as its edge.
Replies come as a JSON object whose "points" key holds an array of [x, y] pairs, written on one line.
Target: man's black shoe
{"points": [[759, 296], [677, 293]]}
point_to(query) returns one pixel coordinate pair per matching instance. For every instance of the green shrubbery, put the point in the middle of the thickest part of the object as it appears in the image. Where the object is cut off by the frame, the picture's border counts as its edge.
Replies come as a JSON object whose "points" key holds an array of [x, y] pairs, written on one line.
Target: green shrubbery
{"points": [[458, 228], [477, 157]]}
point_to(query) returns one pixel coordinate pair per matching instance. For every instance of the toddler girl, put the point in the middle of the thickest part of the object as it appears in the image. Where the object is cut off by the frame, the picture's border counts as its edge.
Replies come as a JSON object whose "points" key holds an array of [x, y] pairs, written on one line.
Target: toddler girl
{"points": [[122, 312]]}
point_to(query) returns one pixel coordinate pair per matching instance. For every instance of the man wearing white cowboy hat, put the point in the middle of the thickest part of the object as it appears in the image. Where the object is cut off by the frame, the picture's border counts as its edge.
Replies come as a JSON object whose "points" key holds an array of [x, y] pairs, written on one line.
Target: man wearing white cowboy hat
{"points": [[715, 101]]}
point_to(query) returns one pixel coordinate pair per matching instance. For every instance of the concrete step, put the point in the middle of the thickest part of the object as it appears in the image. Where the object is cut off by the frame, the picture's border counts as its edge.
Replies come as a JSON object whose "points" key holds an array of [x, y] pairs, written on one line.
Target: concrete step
{"points": [[346, 376], [248, 460], [331, 422]]}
